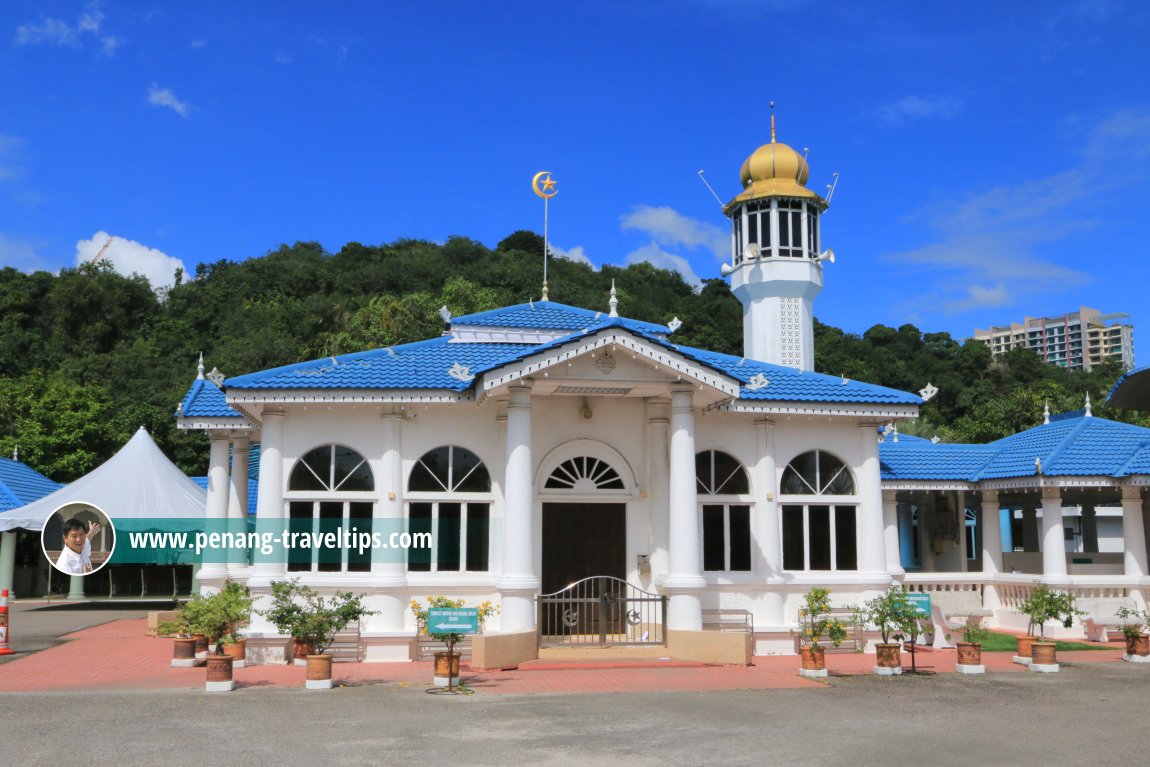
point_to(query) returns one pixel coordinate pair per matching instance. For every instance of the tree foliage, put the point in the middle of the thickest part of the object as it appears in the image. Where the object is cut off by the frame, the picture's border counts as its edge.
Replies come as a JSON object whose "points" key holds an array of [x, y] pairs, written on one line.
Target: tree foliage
{"points": [[87, 356]]}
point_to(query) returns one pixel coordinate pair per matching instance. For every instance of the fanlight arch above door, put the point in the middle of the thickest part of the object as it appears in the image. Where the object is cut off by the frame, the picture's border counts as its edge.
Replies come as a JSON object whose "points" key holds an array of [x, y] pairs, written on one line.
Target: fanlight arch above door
{"points": [[584, 466]]}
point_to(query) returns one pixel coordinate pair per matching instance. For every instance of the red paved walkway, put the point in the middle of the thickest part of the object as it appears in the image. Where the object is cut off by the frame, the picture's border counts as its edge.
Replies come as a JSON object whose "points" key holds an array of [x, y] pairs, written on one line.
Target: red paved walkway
{"points": [[119, 656]]}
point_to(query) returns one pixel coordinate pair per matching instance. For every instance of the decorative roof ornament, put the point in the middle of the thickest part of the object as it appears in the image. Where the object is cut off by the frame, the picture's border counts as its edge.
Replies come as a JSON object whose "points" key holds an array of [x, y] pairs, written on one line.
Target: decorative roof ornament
{"points": [[544, 186], [888, 430], [15, 452], [935, 440], [605, 363], [460, 372], [1088, 413], [927, 393], [216, 377], [758, 381], [614, 302], [445, 313], [200, 368], [1046, 414], [1038, 465], [674, 324]]}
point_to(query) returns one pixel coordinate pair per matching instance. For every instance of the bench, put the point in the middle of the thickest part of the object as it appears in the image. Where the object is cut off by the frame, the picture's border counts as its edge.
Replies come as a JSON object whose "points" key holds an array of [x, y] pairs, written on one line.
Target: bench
{"points": [[1099, 615], [949, 612]]}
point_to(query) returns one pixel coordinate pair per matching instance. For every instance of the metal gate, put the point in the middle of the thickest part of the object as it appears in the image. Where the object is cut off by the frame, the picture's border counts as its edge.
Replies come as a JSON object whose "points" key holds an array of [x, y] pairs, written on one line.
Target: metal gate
{"points": [[602, 610]]}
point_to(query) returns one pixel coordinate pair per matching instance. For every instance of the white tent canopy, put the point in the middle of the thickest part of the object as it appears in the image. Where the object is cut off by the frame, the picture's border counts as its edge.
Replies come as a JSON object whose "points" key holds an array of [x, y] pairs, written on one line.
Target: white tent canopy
{"points": [[137, 482]]}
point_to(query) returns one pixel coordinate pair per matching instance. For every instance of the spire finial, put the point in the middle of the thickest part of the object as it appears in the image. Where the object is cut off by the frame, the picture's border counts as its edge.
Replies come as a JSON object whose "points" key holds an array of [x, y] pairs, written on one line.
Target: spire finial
{"points": [[1046, 413], [1088, 413], [772, 121], [200, 368], [15, 452], [614, 302]]}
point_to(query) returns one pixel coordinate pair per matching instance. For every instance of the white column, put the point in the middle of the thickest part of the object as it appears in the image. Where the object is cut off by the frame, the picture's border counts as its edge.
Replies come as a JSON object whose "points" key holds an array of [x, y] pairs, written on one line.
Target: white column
{"points": [[388, 567], [1089, 527], [270, 503], [685, 579], [768, 531], [890, 532], [1133, 533], [76, 586], [238, 506], [8, 562], [519, 583], [1053, 539], [656, 481], [871, 530], [1029, 526], [991, 547], [217, 506]]}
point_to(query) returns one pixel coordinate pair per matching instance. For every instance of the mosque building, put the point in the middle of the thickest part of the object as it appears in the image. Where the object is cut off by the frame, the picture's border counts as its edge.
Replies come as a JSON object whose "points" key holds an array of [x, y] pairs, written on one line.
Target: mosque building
{"points": [[545, 445]]}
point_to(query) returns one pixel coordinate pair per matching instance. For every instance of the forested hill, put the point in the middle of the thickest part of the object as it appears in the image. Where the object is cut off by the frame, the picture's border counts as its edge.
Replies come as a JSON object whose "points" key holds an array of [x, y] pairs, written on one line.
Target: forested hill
{"points": [[87, 355]]}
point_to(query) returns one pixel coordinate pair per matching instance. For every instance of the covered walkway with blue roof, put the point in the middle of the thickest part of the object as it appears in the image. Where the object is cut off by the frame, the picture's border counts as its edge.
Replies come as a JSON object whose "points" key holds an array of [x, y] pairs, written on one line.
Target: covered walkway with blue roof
{"points": [[994, 517]]}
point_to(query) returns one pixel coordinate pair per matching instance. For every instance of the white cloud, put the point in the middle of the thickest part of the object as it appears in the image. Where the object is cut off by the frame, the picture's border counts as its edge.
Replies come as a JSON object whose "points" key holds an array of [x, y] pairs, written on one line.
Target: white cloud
{"points": [[10, 167], [908, 108], [1000, 246], [164, 97], [59, 32], [656, 256], [130, 257], [669, 227], [109, 45], [575, 254]]}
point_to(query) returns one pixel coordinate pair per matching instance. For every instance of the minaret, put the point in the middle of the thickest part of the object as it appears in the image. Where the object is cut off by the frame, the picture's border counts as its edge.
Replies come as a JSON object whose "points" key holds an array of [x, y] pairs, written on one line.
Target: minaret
{"points": [[776, 268]]}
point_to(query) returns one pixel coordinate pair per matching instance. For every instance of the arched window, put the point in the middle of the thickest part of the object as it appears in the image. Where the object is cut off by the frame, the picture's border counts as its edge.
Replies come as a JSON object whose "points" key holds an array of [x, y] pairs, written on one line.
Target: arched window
{"points": [[726, 524], [584, 474], [325, 476], [817, 473], [819, 535], [449, 496]]}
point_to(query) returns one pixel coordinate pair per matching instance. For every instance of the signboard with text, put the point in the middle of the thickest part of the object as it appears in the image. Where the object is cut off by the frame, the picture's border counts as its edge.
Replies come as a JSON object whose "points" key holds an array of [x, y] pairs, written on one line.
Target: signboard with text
{"points": [[452, 620]]}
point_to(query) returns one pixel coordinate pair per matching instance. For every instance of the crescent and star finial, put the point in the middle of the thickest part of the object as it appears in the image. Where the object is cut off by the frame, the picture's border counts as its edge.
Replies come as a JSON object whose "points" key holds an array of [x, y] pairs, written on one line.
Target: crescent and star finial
{"points": [[543, 185]]}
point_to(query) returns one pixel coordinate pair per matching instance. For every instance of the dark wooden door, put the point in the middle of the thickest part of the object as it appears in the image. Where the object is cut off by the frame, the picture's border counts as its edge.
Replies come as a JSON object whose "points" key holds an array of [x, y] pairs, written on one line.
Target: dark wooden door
{"points": [[581, 540]]}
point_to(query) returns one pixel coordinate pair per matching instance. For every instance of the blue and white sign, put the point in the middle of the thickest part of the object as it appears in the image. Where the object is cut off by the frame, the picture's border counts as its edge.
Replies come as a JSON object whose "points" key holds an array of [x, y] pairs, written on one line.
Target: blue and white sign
{"points": [[921, 601], [452, 620]]}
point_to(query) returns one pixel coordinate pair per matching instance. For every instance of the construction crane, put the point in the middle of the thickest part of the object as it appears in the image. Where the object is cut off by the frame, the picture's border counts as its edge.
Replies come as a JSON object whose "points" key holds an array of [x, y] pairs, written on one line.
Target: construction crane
{"points": [[100, 255]]}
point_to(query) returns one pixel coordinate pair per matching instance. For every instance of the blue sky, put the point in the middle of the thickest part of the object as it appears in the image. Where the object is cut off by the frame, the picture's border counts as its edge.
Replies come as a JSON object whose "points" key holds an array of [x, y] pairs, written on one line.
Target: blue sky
{"points": [[994, 158]]}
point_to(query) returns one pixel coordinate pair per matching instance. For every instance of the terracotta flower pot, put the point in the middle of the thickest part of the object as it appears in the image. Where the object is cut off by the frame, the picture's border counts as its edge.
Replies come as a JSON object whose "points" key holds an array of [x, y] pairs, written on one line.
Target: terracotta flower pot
{"points": [[444, 668], [1138, 645], [219, 673], [299, 652], [184, 652], [969, 654], [814, 658], [1042, 653], [1024, 644], [319, 672], [201, 644], [237, 651], [888, 655]]}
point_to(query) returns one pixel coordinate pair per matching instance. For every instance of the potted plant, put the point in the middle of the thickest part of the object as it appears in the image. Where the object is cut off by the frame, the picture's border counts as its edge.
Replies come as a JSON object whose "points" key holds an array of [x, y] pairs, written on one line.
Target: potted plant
{"points": [[217, 616], [235, 601], [1043, 605], [184, 644], [1134, 625], [891, 613], [970, 648], [446, 672], [302, 613], [814, 624]]}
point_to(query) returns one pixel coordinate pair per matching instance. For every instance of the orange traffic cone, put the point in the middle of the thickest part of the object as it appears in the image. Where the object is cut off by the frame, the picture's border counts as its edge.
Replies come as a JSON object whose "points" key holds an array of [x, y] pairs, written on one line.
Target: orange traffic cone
{"points": [[4, 648]]}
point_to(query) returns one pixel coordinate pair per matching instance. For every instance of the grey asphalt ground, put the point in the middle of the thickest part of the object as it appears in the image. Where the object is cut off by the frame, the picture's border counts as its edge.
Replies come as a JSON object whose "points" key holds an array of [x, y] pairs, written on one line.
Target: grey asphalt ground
{"points": [[1084, 715], [1092, 714]]}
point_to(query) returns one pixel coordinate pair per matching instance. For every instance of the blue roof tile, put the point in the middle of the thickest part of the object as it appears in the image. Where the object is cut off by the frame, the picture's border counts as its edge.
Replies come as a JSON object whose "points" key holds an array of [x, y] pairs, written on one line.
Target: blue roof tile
{"points": [[20, 485], [548, 315], [928, 461], [205, 400]]}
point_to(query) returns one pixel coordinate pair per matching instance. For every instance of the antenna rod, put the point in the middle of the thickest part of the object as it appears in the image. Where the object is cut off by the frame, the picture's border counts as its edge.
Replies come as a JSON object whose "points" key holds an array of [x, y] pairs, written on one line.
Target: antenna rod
{"points": [[712, 191], [831, 187]]}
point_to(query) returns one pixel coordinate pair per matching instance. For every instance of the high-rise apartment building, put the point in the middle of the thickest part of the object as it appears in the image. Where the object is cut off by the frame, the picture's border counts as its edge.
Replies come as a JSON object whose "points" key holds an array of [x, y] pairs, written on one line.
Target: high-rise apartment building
{"points": [[1078, 340]]}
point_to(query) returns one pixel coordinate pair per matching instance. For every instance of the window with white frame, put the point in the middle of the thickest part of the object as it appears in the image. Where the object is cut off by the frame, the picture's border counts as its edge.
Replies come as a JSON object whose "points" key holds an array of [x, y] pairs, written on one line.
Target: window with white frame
{"points": [[449, 496], [725, 511], [335, 483], [818, 514]]}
